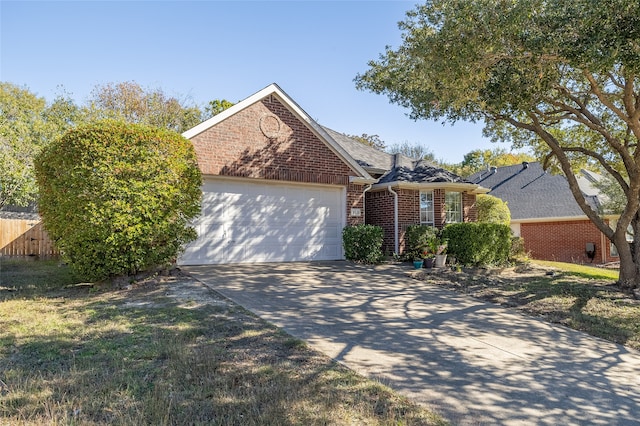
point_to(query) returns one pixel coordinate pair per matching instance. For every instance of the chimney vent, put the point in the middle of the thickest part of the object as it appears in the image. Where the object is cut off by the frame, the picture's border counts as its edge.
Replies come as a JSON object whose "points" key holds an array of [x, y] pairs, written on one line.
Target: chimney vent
{"points": [[525, 164], [494, 170]]}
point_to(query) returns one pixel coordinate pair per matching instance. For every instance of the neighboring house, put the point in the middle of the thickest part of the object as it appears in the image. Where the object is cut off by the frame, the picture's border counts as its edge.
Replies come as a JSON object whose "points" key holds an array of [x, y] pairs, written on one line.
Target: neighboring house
{"points": [[280, 187], [546, 215]]}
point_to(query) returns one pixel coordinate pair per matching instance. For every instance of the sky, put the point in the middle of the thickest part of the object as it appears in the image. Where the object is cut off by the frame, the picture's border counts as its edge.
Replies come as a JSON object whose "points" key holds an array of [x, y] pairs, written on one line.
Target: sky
{"points": [[204, 50]]}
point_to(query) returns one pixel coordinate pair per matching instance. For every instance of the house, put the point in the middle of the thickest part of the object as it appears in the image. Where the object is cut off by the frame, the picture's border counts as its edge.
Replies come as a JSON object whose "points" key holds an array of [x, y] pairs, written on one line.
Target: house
{"points": [[546, 215], [280, 187]]}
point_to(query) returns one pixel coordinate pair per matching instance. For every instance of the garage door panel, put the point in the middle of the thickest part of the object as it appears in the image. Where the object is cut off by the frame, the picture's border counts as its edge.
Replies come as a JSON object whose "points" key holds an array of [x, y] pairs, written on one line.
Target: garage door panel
{"points": [[256, 222]]}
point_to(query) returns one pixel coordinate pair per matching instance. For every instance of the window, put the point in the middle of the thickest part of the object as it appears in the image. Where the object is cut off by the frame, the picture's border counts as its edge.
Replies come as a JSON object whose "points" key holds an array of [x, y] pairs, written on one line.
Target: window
{"points": [[453, 203], [426, 208]]}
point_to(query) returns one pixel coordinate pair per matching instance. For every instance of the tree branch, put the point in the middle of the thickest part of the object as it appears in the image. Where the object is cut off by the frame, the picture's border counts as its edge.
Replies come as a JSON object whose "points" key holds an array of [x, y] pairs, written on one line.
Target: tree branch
{"points": [[603, 162], [565, 164]]}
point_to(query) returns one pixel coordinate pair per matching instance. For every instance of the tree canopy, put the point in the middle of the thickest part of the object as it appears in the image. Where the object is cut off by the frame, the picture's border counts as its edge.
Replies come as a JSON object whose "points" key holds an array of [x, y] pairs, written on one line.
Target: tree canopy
{"points": [[216, 106], [130, 102], [27, 124], [561, 77]]}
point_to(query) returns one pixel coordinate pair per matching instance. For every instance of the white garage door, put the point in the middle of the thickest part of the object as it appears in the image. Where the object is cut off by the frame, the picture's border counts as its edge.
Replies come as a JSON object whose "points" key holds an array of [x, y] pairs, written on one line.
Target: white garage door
{"points": [[247, 222]]}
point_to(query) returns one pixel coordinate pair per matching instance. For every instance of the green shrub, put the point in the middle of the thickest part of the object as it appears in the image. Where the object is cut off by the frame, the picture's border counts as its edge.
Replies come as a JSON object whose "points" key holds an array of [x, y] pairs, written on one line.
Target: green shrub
{"points": [[492, 210], [478, 243], [517, 248], [419, 238], [363, 243], [117, 198]]}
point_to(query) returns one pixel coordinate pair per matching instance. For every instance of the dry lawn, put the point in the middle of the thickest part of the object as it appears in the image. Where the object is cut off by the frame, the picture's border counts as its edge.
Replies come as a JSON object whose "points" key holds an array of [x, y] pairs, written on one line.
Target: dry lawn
{"points": [[166, 352], [579, 297]]}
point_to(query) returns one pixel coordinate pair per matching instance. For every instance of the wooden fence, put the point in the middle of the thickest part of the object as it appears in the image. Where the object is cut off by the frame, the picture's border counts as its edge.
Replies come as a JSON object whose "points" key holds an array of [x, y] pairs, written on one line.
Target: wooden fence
{"points": [[23, 237]]}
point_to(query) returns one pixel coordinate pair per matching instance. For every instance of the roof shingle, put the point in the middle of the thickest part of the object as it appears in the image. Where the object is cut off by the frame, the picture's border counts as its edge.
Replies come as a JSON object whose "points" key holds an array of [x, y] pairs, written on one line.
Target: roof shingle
{"points": [[531, 192]]}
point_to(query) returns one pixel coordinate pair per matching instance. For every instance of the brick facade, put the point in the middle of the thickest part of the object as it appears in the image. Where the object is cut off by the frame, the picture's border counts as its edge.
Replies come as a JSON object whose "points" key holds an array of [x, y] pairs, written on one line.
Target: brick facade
{"points": [[267, 141], [380, 211], [565, 241]]}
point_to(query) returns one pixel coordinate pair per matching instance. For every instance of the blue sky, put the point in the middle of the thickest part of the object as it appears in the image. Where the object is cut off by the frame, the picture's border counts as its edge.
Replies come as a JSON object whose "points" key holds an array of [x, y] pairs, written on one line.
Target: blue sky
{"points": [[206, 50]]}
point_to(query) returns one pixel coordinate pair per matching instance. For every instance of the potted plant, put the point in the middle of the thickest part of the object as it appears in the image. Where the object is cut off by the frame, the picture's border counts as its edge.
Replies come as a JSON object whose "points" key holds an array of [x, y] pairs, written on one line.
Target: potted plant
{"points": [[417, 263], [438, 250], [441, 253], [428, 257]]}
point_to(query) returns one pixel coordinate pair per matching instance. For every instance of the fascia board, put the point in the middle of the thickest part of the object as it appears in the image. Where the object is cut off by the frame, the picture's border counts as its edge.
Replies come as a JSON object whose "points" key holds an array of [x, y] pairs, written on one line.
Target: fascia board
{"points": [[468, 187], [245, 103], [363, 180], [558, 219]]}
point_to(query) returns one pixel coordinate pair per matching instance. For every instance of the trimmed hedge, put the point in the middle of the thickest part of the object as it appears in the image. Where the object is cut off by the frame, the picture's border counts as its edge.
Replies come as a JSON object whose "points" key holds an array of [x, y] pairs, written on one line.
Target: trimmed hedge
{"points": [[363, 243], [117, 198], [478, 243], [492, 210]]}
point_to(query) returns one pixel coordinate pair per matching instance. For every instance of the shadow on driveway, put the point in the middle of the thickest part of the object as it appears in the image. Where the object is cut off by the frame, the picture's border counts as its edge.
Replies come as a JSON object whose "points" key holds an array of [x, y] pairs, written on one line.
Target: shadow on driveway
{"points": [[474, 362]]}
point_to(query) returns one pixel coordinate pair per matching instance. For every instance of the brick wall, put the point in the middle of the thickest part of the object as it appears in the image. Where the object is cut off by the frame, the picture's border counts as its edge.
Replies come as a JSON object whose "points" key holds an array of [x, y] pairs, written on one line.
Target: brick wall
{"points": [[380, 212], [408, 213], [564, 241], [267, 141], [355, 200], [469, 207]]}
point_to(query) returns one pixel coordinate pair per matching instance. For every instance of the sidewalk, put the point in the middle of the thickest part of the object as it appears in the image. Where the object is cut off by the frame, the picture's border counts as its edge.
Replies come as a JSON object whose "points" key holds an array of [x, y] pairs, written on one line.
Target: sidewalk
{"points": [[475, 363]]}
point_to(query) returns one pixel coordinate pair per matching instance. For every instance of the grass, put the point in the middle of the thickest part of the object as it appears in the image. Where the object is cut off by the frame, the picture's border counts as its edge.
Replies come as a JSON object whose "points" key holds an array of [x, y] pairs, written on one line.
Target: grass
{"points": [[580, 297], [584, 271], [71, 354]]}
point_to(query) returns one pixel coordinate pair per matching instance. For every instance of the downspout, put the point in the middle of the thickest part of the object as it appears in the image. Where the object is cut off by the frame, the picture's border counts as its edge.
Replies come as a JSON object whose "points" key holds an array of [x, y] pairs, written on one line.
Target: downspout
{"points": [[395, 219], [364, 207]]}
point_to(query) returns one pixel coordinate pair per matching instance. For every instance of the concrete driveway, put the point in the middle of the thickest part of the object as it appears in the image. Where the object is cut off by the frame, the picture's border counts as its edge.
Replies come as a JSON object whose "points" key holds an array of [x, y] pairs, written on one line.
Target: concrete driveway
{"points": [[475, 363]]}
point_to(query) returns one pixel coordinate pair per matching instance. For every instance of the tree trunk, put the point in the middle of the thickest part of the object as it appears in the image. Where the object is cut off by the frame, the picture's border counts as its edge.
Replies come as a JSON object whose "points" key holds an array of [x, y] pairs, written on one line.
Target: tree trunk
{"points": [[629, 263]]}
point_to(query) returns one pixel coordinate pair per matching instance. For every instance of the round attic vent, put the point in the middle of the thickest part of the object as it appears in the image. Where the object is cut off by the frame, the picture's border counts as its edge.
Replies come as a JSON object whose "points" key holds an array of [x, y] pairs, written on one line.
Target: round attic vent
{"points": [[270, 126]]}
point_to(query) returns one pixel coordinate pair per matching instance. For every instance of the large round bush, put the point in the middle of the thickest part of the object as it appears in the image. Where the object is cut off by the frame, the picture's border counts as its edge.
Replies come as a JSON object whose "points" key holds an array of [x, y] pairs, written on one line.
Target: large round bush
{"points": [[117, 198]]}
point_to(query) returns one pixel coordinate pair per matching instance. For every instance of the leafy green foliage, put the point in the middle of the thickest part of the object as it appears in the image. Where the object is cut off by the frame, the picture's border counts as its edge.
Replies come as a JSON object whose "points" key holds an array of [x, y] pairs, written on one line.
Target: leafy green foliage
{"points": [[478, 243], [517, 251], [559, 77], [117, 198], [482, 159], [26, 125], [492, 210], [420, 239], [363, 243], [216, 106], [612, 198]]}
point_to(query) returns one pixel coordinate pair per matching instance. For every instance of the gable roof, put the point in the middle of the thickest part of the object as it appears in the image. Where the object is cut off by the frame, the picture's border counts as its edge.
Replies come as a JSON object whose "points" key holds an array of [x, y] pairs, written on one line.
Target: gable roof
{"points": [[274, 90], [532, 193], [396, 169]]}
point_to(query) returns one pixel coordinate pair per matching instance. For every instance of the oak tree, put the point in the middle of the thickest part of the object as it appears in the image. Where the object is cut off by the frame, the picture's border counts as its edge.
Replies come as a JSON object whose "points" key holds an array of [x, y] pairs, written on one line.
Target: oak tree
{"points": [[559, 76]]}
